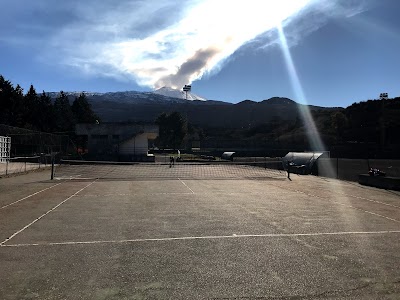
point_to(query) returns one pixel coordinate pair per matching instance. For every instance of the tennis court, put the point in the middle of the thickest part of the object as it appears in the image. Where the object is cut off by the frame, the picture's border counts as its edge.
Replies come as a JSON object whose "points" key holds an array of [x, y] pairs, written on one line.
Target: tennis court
{"points": [[206, 231]]}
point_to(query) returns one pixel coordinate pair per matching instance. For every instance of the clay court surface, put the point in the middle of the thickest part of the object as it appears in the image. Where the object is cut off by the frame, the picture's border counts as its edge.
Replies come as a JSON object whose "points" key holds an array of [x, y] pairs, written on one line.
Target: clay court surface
{"points": [[188, 236]]}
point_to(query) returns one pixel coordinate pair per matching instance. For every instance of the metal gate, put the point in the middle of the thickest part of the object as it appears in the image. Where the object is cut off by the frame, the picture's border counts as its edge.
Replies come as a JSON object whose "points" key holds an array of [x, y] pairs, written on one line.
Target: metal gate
{"points": [[5, 146]]}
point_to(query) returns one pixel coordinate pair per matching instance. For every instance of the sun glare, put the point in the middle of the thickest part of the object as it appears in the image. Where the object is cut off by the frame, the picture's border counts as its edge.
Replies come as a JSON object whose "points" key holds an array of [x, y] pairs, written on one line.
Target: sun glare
{"points": [[311, 130], [314, 138], [223, 26]]}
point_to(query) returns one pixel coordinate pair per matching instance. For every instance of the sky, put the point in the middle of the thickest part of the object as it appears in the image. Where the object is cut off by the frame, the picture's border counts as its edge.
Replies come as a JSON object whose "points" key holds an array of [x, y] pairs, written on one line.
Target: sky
{"points": [[320, 52]]}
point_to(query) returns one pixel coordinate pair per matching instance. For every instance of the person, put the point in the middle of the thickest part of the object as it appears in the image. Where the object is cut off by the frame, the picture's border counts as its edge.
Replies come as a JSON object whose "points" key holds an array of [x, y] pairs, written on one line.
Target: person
{"points": [[171, 161], [289, 166]]}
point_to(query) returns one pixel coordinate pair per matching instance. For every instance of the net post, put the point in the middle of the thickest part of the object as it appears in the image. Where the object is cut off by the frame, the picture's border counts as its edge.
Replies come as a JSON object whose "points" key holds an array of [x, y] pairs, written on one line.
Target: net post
{"points": [[52, 167], [337, 167], [7, 166]]}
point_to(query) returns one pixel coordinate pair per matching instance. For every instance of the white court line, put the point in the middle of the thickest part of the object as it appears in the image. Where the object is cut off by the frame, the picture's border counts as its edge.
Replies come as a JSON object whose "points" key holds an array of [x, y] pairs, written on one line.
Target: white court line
{"points": [[210, 237], [182, 193], [356, 208], [186, 185], [342, 204], [376, 201], [131, 194], [15, 202], [46, 213]]}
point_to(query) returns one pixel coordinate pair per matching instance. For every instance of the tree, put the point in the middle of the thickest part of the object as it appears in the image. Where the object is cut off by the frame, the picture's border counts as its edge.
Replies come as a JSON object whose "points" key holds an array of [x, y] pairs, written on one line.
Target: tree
{"points": [[64, 117], [6, 96], [32, 109], [82, 110], [46, 114], [18, 108], [339, 123], [172, 130]]}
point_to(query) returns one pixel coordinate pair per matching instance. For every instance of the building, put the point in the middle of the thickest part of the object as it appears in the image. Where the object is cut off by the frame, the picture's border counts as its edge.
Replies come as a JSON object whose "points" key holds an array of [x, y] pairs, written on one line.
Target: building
{"points": [[117, 141]]}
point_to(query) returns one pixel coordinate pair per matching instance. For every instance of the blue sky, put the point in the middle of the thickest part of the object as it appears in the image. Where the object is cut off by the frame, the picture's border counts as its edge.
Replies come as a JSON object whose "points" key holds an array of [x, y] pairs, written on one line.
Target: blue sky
{"points": [[337, 51]]}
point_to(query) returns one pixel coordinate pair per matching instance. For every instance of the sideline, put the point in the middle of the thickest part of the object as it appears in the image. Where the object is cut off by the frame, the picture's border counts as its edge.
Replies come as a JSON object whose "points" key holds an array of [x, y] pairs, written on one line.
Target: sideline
{"points": [[15, 202], [43, 215], [186, 185]]}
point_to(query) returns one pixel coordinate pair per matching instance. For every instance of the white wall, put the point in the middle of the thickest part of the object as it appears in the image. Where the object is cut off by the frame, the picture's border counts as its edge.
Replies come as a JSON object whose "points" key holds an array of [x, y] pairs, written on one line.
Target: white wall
{"points": [[135, 146]]}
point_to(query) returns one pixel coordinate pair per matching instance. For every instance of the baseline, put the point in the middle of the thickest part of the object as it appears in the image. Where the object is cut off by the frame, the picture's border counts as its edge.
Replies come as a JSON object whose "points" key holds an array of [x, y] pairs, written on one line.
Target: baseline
{"points": [[210, 237]]}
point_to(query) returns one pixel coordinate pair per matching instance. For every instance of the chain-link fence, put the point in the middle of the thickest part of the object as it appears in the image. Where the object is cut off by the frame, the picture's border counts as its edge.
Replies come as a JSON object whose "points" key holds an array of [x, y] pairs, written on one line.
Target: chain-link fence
{"points": [[30, 150], [349, 169], [25, 142]]}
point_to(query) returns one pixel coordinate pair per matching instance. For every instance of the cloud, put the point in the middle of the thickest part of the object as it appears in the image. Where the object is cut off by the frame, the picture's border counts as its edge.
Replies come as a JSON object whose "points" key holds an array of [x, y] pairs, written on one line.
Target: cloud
{"points": [[169, 42], [191, 68], [312, 17]]}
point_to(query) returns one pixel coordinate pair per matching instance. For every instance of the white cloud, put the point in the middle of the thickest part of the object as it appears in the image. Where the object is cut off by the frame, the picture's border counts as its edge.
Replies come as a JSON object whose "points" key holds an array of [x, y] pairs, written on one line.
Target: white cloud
{"points": [[165, 42]]}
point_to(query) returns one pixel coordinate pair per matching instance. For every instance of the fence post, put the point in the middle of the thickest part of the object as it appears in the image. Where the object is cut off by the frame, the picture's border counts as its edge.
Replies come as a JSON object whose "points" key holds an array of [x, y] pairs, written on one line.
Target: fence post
{"points": [[6, 166]]}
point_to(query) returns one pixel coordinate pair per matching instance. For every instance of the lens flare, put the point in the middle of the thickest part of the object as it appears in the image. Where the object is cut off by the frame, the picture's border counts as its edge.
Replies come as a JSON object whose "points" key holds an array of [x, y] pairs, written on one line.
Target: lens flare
{"points": [[311, 130], [340, 203]]}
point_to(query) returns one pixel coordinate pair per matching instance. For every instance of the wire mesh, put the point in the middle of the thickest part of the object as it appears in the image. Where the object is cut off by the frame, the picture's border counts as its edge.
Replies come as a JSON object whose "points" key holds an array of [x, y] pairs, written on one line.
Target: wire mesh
{"points": [[72, 169], [24, 164]]}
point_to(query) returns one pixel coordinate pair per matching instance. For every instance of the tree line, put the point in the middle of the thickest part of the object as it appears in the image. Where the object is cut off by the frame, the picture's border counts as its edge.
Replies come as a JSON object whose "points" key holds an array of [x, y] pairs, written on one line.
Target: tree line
{"points": [[37, 111]]}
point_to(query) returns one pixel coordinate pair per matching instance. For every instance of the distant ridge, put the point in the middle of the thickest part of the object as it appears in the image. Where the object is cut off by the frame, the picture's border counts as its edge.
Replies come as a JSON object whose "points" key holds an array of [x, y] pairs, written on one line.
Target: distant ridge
{"points": [[164, 94], [175, 93]]}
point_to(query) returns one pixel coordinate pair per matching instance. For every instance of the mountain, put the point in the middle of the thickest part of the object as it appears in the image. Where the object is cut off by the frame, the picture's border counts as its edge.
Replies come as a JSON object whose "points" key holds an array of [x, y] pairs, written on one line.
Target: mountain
{"points": [[164, 94], [204, 113], [132, 106], [174, 93], [132, 97]]}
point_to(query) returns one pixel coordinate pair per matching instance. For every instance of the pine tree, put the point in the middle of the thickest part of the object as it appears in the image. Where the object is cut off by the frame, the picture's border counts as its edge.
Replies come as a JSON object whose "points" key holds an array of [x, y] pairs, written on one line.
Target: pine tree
{"points": [[82, 110], [31, 103], [18, 107], [64, 118], [46, 114], [6, 94]]}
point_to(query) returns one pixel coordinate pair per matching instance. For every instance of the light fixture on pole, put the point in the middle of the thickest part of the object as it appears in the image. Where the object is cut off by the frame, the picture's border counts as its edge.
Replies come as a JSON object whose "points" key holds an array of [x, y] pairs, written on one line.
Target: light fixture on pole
{"points": [[383, 96], [187, 88]]}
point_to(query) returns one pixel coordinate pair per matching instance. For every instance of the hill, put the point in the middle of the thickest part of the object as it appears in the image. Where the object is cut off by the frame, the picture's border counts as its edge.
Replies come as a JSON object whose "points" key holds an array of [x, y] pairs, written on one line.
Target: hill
{"points": [[202, 113]]}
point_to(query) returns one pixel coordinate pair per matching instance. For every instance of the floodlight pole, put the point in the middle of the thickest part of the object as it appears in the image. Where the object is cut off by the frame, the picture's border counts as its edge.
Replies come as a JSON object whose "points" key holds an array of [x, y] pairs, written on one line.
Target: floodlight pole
{"points": [[383, 97], [187, 89]]}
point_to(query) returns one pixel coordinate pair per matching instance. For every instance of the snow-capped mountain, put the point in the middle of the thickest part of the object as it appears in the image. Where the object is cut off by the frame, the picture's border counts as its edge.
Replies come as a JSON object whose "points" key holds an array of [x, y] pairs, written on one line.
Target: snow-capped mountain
{"points": [[175, 93], [162, 95]]}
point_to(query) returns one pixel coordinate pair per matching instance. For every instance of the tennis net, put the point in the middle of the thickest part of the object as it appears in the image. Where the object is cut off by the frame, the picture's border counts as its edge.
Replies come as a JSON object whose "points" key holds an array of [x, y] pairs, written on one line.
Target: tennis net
{"points": [[16, 165], [76, 169]]}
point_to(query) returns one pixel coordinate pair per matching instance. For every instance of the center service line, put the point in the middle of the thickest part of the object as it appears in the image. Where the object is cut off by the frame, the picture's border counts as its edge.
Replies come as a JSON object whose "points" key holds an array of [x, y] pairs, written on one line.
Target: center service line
{"points": [[186, 185], [46, 213]]}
